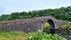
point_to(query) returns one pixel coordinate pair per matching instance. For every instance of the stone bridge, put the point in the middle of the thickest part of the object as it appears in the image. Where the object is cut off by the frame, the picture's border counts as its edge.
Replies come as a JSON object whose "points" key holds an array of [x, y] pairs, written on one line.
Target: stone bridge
{"points": [[30, 25]]}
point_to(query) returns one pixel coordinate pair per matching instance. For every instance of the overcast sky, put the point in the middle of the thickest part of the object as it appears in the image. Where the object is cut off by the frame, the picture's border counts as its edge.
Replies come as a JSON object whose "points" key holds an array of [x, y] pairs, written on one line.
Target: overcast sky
{"points": [[8, 6]]}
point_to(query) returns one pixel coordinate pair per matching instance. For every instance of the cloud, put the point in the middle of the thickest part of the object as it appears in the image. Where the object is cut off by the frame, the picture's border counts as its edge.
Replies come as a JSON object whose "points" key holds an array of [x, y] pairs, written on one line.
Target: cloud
{"points": [[8, 6], [1, 10]]}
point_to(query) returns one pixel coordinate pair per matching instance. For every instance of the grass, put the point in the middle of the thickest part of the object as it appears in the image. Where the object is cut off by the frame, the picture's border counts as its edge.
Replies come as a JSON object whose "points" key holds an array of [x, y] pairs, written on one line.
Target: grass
{"points": [[17, 35], [13, 35]]}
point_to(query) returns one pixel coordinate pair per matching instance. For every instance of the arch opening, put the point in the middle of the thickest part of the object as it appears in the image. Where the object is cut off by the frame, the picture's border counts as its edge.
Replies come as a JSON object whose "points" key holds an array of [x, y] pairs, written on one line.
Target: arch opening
{"points": [[50, 26]]}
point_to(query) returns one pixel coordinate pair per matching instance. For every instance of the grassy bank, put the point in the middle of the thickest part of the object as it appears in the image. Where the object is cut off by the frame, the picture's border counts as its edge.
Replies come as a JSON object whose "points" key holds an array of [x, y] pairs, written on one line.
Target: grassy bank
{"points": [[16, 35], [13, 35]]}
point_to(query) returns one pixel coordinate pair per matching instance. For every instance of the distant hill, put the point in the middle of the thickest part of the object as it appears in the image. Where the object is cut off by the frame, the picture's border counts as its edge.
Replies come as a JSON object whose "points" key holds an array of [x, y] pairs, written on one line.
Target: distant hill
{"points": [[63, 13]]}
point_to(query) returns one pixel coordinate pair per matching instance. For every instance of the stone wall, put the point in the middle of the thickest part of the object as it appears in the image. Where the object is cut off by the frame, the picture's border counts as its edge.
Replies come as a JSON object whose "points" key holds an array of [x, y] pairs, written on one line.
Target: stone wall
{"points": [[28, 25]]}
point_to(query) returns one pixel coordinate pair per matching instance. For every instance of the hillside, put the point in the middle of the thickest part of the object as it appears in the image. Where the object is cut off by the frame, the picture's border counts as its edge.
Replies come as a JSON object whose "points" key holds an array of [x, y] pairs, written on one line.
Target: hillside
{"points": [[63, 13]]}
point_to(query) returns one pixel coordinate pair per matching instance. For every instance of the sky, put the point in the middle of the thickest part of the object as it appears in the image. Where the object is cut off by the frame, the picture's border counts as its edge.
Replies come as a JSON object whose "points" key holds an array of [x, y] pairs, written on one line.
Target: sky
{"points": [[9, 6]]}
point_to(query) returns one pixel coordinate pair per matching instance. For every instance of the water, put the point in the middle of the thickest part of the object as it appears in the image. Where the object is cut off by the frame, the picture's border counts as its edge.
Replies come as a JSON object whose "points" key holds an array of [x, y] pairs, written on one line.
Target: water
{"points": [[66, 35]]}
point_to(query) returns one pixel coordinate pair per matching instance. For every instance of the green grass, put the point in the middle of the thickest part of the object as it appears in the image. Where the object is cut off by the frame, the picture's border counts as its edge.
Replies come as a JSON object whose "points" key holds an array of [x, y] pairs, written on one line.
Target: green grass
{"points": [[17, 35], [13, 35]]}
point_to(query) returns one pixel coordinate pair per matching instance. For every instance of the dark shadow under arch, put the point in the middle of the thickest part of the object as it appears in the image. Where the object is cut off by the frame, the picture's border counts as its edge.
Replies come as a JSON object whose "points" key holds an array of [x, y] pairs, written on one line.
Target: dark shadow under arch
{"points": [[52, 26]]}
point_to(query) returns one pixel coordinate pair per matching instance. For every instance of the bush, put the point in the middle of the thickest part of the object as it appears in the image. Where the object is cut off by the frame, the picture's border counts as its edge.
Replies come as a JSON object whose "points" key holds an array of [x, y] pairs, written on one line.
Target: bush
{"points": [[43, 36], [47, 27], [66, 28]]}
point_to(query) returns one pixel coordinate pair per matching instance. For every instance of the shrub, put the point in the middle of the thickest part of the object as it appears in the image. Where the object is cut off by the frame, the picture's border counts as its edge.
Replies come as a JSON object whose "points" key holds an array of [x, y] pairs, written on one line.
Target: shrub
{"points": [[66, 28], [47, 27], [43, 36]]}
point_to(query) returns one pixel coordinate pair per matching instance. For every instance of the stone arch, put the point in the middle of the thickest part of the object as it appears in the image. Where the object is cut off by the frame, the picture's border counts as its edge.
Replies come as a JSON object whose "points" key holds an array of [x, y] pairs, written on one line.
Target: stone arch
{"points": [[52, 25]]}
